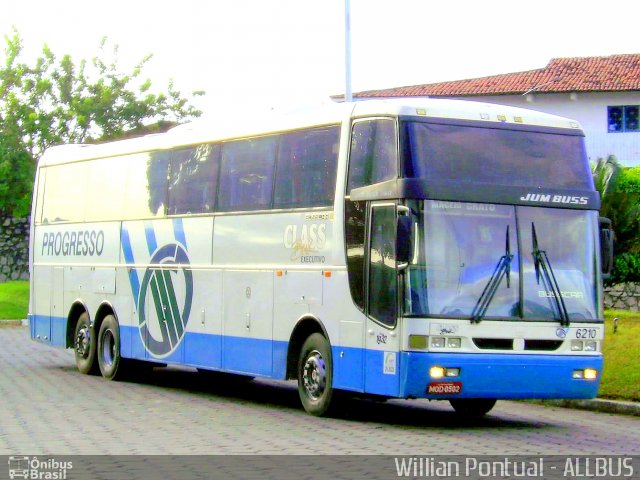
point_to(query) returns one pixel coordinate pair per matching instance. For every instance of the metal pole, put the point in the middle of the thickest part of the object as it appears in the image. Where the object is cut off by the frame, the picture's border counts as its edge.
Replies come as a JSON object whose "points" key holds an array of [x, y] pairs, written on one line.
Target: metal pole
{"points": [[348, 96]]}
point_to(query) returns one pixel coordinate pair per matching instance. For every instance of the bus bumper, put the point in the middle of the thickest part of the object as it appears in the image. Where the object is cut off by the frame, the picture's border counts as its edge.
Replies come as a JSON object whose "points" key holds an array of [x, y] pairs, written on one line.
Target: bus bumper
{"points": [[498, 376]]}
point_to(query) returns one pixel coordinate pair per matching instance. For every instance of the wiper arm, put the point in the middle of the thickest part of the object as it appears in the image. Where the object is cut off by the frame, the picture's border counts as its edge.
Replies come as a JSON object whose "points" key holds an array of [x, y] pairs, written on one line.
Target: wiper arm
{"points": [[503, 268], [542, 264]]}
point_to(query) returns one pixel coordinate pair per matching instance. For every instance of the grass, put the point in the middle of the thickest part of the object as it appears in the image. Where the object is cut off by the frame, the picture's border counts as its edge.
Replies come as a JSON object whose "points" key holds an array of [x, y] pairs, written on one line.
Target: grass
{"points": [[621, 376], [14, 300], [620, 379]]}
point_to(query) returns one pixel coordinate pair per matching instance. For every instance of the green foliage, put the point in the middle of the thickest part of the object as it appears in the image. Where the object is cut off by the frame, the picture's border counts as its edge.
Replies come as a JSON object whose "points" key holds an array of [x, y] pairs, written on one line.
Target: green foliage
{"points": [[56, 100], [619, 188], [626, 268], [14, 300]]}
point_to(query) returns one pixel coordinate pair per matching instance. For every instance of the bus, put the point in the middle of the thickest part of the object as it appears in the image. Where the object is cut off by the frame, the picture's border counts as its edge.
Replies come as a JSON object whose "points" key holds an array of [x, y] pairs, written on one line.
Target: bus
{"points": [[436, 249]]}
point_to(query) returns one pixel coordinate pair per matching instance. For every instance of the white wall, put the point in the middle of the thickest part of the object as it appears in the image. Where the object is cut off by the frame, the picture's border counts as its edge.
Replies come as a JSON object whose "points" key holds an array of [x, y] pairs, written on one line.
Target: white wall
{"points": [[590, 109]]}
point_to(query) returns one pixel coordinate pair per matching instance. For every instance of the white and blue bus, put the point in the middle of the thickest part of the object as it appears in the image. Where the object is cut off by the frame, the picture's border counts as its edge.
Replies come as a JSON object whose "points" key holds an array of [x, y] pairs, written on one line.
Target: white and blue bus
{"points": [[403, 249]]}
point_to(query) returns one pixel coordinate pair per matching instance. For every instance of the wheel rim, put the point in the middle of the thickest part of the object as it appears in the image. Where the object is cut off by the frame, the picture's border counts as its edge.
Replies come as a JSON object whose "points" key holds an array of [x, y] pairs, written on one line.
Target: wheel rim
{"points": [[314, 375], [83, 342], [108, 348]]}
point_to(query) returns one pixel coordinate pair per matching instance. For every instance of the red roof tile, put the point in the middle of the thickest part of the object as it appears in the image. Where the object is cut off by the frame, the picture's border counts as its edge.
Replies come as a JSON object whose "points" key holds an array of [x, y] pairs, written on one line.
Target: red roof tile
{"points": [[588, 74]]}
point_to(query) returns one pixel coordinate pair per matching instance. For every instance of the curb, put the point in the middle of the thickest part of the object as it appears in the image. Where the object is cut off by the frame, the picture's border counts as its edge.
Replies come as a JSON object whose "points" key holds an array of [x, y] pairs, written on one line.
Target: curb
{"points": [[13, 323], [603, 405]]}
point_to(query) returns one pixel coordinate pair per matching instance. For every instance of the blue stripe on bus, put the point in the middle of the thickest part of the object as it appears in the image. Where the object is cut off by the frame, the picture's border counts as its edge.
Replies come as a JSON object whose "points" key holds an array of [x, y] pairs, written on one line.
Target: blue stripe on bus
{"points": [[152, 243], [128, 258], [482, 375], [178, 230]]}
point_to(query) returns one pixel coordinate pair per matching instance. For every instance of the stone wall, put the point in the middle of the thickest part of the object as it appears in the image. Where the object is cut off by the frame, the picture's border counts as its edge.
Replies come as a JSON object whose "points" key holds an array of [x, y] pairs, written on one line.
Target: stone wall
{"points": [[624, 296], [14, 249]]}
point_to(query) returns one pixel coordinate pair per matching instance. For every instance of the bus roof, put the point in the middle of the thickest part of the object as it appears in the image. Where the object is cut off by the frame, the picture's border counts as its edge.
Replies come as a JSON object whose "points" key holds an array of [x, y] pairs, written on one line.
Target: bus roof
{"points": [[226, 127]]}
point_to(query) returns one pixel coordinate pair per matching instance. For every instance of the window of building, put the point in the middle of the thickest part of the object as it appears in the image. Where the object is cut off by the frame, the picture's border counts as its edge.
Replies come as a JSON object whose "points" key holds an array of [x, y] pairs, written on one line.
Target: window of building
{"points": [[623, 118]]}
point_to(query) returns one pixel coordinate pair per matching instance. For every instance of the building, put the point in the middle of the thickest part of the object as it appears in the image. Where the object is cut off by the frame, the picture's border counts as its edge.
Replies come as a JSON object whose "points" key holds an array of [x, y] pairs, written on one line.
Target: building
{"points": [[602, 93]]}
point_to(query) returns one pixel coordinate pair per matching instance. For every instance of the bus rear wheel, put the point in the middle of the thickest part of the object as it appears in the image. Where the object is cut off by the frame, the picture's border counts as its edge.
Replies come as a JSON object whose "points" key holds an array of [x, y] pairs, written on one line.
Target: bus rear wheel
{"points": [[84, 346], [109, 359], [315, 375], [472, 407]]}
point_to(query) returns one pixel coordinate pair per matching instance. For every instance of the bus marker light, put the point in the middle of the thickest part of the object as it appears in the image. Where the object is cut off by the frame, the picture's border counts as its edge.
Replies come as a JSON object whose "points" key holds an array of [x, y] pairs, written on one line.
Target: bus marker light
{"points": [[418, 341], [421, 111], [436, 372], [327, 274], [437, 342], [279, 273]]}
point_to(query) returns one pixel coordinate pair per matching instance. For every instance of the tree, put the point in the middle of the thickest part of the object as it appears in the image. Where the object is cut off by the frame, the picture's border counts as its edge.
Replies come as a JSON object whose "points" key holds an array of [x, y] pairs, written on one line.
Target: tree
{"points": [[619, 188], [56, 100]]}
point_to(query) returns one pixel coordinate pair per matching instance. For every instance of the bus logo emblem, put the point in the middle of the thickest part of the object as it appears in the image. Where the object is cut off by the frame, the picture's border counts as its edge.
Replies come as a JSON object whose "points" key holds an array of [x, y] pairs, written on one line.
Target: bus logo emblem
{"points": [[163, 317]]}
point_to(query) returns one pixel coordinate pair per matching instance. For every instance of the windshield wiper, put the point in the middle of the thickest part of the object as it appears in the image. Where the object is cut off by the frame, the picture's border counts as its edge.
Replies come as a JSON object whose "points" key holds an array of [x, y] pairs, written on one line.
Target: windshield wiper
{"points": [[503, 268], [542, 264]]}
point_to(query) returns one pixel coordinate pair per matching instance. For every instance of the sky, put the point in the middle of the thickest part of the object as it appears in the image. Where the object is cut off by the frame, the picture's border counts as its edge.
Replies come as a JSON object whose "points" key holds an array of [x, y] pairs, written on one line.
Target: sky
{"points": [[285, 53]]}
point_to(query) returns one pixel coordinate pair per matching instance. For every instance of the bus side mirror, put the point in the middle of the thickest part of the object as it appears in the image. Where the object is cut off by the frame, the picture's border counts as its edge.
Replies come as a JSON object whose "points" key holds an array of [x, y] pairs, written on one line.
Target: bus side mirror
{"points": [[606, 247], [403, 242]]}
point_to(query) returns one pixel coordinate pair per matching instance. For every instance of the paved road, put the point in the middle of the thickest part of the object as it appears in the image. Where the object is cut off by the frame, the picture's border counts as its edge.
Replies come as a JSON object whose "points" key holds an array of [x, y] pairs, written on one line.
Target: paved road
{"points": [[49, 408]]}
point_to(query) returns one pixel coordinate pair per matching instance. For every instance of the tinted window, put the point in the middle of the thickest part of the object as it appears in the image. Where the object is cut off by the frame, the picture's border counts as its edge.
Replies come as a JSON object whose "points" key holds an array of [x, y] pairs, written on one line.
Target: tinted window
{"points": [[107, 201], [246, 175], [194, 175], [146, 185], [496, 156], [382, 267], [306, 173], [354, 219], [373, 155], [65, 193]]}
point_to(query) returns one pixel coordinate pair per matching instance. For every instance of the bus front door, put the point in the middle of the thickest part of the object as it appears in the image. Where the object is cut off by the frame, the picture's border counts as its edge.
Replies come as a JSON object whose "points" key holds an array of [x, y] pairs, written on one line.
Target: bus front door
{"points": [[382, 359]]}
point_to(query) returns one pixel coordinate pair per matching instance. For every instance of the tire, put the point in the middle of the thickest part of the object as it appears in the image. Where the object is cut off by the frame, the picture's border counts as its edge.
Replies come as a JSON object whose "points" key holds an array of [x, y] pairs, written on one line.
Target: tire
{"points": [[84, 346], [112, 366], [315, 375], [472, 407]]}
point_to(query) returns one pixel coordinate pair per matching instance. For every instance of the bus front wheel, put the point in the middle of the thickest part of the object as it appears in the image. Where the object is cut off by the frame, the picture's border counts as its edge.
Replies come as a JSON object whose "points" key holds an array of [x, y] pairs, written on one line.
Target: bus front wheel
{"points": [[315, 375], [472, 407], [109, 360]]}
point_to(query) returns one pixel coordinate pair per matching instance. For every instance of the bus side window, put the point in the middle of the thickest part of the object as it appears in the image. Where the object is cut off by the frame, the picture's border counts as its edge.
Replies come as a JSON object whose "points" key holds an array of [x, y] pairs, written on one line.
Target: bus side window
{"points": [[246, 173], [306, 171], [373, 156], [193, 179]]}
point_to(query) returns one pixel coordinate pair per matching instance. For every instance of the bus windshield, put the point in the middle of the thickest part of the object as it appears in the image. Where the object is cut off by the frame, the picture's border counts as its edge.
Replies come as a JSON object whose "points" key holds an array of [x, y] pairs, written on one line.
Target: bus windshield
{"points": [[495, 156], [502, 261]]}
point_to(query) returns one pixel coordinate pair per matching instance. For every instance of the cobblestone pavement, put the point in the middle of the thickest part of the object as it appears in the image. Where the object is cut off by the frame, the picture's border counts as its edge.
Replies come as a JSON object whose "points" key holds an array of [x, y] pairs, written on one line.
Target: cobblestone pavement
{"points": [[50, 408]]}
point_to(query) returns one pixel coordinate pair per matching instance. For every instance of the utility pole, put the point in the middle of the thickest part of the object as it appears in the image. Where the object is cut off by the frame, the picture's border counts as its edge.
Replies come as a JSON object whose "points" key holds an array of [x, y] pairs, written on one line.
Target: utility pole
{"points": [[348, 96]]}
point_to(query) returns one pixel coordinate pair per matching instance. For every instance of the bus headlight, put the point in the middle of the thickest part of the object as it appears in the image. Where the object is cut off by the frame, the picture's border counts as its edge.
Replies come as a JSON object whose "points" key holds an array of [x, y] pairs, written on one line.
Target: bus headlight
{"points": [[586, 374], [454, 342], [437, 342], [590, 346], [577, 345], [441, 372], [419, 342]]}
